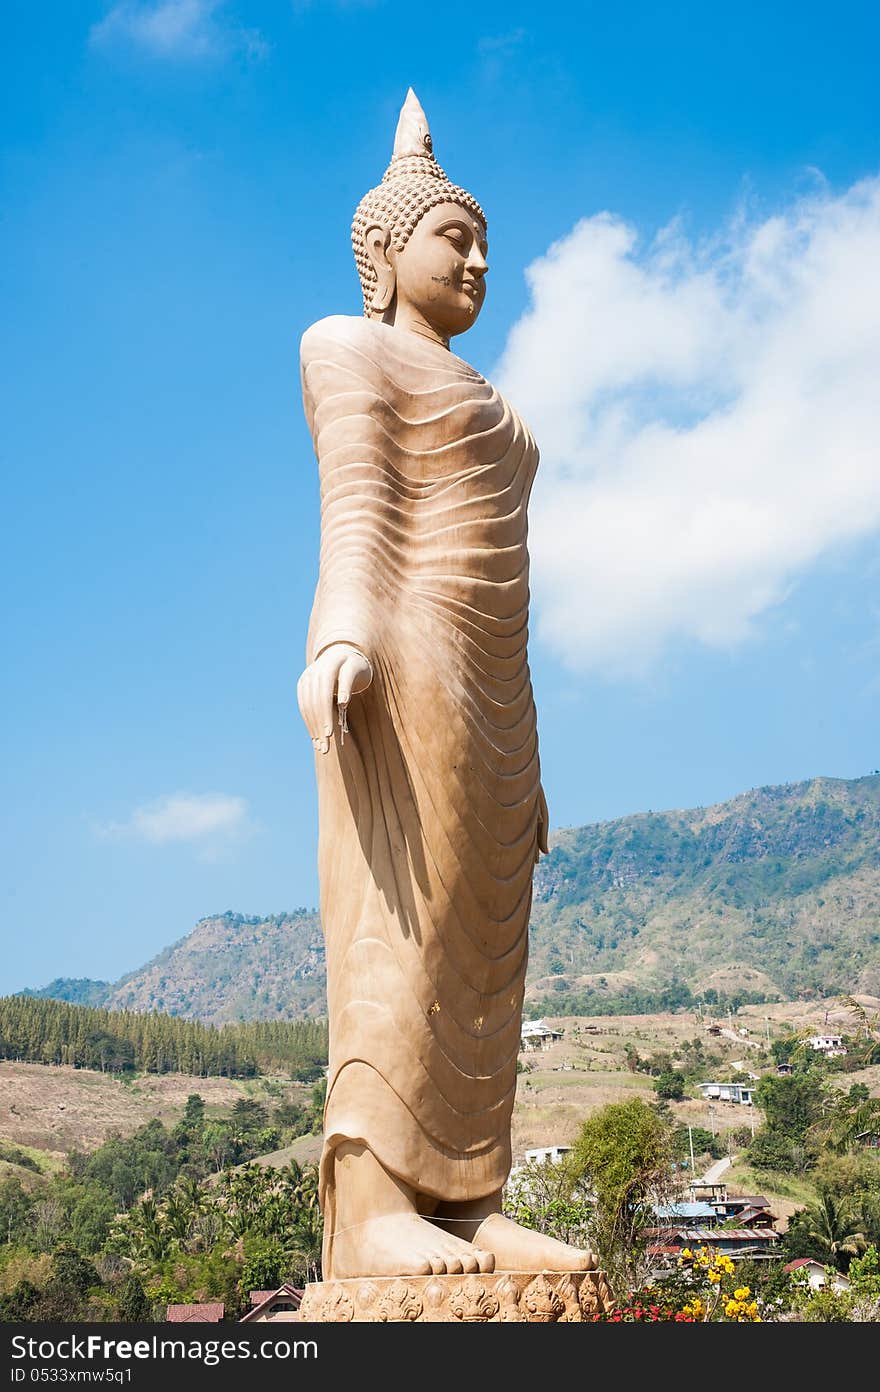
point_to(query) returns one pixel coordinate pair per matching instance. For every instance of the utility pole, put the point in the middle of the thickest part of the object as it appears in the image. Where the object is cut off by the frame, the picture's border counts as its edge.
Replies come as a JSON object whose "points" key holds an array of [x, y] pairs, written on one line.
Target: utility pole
{"points": [[691, 1144]]}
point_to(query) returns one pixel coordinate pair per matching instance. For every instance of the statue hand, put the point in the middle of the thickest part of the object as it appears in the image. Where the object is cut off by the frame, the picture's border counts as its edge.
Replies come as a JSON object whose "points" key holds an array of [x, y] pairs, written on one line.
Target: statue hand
{"points": [[339, 672]]}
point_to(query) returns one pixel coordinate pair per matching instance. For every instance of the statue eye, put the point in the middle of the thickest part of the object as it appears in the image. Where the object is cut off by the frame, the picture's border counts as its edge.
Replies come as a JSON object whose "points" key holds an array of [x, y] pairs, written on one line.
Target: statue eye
{"points": [[427, 141]]}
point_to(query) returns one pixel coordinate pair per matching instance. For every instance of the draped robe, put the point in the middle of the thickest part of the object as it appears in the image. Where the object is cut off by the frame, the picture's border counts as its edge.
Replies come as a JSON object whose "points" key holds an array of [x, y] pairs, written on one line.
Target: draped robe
{"points": [[430, 807]]}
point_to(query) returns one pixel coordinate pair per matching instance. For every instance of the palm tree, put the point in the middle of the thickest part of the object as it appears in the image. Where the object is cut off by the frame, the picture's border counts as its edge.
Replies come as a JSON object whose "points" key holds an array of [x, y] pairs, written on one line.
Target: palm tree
{"points": [[149, 1237], [868, 1027], [177, 1216], [833, 1224], [306, 1240], [850, 1117]]}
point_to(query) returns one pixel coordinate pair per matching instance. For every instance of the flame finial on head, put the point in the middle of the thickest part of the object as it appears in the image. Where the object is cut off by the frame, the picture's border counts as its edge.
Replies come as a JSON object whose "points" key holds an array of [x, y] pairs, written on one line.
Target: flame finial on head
{"points": [[412, 183], [412, 136]]}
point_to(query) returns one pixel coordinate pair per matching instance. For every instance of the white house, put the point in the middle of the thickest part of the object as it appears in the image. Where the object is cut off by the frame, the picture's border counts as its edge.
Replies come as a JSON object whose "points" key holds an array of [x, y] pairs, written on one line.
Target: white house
{"points": [[547, 1152], [817, 1276], [831, 1045], [537, 1034], [727, 1092]]}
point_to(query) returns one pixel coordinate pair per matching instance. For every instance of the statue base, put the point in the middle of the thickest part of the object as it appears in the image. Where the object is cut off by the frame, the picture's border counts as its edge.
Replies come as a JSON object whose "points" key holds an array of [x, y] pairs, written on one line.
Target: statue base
{"points": [[548, 1297]]}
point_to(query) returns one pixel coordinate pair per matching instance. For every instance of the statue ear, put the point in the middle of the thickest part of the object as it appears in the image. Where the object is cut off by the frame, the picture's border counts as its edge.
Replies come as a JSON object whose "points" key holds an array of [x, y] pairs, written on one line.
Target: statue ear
{"points": [[376, 241]]}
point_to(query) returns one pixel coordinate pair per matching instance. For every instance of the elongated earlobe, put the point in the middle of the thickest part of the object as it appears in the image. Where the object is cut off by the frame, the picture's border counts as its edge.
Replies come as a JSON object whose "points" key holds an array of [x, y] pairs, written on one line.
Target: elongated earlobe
{"points": [[383, 295], [376, 243]]}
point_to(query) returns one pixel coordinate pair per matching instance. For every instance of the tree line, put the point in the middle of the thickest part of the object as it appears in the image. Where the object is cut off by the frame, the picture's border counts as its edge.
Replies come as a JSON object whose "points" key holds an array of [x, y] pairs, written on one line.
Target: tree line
{"points": [[34, 1030]]}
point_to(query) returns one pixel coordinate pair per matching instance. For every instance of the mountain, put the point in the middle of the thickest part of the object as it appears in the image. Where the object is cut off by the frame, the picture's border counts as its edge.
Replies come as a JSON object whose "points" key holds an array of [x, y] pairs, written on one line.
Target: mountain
{"points": [[777, 890], [774, 893], [234, 967], [76, 990]]}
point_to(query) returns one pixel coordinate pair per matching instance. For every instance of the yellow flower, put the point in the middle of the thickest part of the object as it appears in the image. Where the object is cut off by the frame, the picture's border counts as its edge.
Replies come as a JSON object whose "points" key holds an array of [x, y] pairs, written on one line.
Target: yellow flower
{"points": [[713, 1276], [742, 1293], [731, 1309], [687, 1254]]}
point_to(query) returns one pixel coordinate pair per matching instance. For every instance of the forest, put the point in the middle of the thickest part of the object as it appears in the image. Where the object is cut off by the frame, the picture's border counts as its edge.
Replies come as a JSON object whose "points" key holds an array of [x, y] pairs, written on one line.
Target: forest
{"points": [[36, 1030], [165, 1215]]}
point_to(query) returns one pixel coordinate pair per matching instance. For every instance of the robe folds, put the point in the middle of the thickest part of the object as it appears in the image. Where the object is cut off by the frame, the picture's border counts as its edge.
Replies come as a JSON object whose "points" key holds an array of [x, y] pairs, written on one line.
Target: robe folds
{"points": [[430, 809]]}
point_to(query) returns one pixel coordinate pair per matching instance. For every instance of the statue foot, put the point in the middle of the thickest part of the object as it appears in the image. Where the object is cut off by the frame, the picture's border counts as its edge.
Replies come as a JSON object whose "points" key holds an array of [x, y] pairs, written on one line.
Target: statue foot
{"points": [[520, 1249], [403, 1244]]}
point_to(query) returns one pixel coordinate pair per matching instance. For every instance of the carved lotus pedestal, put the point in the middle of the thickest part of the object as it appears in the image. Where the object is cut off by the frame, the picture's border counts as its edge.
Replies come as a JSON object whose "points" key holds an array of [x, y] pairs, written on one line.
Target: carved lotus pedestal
{"points": [[548, 1298]]}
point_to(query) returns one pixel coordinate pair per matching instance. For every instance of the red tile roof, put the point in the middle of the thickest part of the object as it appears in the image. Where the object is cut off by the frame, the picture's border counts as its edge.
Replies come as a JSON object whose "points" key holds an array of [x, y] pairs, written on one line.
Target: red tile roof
{"points": [[211, 1312]]}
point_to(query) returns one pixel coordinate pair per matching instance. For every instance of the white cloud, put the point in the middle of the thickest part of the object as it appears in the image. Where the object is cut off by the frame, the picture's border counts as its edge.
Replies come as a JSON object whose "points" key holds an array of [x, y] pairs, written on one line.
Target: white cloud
{"points": [[177, 29], [709, 422], [193, 817]]}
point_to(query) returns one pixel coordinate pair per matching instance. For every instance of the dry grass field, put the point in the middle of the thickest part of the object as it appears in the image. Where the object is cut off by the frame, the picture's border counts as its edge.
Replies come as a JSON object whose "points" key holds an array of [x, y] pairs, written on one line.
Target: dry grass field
{"points": [[59, 1109]]}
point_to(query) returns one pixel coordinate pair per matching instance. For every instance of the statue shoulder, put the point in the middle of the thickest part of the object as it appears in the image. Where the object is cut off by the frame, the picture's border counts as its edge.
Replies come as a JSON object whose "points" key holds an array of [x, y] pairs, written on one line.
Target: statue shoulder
{"points": [[335, 332]]}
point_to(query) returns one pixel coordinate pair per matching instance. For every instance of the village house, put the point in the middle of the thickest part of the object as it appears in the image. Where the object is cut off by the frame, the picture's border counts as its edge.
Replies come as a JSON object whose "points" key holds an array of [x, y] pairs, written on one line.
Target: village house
{"points": [[548, 1152], [276, 1305], [817, 1275], [669, 1241], [831, 1045], [746, 1210], [727, 1092], [685, 1212], [209, 1312], [869, 1139], [537, 1034]]}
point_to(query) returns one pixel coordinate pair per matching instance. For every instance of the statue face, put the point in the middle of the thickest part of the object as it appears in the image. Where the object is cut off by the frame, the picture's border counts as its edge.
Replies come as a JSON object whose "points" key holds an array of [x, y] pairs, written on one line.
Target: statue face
{"points": [[440, 272]]}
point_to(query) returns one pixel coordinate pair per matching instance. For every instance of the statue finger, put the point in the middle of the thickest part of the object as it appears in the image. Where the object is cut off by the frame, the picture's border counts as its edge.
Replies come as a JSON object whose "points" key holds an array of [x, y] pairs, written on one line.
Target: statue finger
{"points": [[303, 696], [347, 673], [326, 685], [310, 707]]}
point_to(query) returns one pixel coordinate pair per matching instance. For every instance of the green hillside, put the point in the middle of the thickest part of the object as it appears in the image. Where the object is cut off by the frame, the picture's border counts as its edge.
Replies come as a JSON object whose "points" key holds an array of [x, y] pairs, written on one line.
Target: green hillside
{"points": [[776, 890], [774, 893]]}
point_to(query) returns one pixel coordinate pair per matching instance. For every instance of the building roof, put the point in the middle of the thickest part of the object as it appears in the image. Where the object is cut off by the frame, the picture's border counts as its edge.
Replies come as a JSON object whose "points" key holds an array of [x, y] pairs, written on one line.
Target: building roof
{"points": [[711, 1237], [209, 1312], [748, 1200], [285, 1292], [682, 1211], [802, 1261], [754, 1217]]}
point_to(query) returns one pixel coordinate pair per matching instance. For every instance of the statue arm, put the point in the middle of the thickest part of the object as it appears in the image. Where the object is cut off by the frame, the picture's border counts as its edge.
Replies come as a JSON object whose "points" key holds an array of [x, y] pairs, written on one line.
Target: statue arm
{"points": [[352, 600]]}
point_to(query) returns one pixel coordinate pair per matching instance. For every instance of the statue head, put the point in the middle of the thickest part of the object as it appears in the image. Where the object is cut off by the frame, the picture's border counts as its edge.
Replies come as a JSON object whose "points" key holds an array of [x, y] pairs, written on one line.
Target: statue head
{"points": [[420, 241]]}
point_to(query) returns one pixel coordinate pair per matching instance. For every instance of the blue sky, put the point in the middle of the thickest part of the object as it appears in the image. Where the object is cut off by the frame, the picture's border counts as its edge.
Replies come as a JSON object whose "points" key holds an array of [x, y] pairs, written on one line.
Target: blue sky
{"points": [[177, 186]]}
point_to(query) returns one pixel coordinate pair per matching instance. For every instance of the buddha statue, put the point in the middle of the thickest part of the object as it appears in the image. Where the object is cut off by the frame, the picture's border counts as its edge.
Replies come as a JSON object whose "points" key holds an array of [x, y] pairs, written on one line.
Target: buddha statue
{"points": [[418, 700]]}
